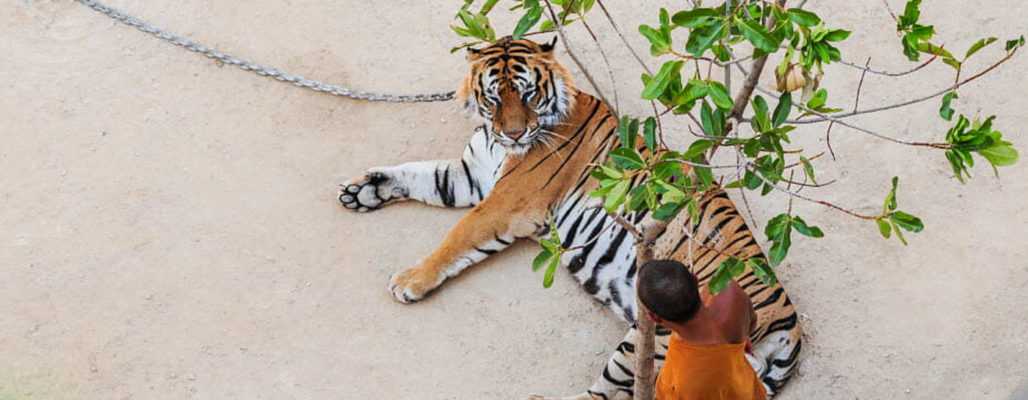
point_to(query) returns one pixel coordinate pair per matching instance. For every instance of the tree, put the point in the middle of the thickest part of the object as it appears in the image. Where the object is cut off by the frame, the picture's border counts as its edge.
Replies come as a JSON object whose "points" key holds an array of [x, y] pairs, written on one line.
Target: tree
{"points": [[743, 121]]}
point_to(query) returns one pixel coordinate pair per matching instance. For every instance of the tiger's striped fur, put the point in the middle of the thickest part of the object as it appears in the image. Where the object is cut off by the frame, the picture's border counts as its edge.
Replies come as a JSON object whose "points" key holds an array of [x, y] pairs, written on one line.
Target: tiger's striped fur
{"points": [[531, 162]]}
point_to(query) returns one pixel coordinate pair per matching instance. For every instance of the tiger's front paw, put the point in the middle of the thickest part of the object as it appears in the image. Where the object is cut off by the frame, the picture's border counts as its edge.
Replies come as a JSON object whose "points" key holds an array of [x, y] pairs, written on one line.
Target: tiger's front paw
{"points": [[412, 284], [371, 191]]}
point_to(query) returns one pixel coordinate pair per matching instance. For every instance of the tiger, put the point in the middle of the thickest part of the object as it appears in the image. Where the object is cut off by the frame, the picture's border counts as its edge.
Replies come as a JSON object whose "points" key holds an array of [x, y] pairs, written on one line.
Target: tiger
{"points": [[526, 170]]}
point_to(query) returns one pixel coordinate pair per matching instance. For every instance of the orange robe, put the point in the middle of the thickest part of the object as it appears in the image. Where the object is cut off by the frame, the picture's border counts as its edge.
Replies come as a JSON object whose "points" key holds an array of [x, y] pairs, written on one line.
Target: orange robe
{"points": [[716, 372]]}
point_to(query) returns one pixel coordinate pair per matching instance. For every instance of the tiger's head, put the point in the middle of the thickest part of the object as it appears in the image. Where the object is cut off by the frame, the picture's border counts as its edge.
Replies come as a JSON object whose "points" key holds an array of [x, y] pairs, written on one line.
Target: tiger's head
{"points": [[519, 89]]}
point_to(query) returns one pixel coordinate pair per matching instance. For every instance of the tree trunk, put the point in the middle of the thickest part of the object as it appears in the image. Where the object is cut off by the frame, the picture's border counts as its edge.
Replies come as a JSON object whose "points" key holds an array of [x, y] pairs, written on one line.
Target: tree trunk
{"points": [[645, 347]]}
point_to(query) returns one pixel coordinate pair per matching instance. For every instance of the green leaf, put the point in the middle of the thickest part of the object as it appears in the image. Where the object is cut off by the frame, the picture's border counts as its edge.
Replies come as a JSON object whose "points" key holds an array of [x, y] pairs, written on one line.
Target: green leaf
{"points": [[803, 18], [660, 82], [808, 169], [697, 148], [911, 13], [625, 132], [776, 226], [705, 176], [616, 196], [890, 199], [946, 111], [899, 233], [724, 274], [550, 270], [810, 231], [758, 35], [488, 6], [884, 228], [1016, 43], [700, 39], [650, 133], [980, 44], [782, 110], [837, 35], [762, 270], [819, 99], [527, 21], [760, 110], [906, 221], [719, 93], [541, 259], [659, 44], [1000, 155], [780, 248], [627, 158], [707, 119], [666, 211], [695, 17], [926, 47]]}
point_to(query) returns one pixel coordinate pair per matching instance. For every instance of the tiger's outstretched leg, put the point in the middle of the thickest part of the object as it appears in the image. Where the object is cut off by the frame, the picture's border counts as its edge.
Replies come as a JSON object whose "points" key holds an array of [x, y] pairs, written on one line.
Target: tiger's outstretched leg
{"points": [[461, 182], [488, 228]]}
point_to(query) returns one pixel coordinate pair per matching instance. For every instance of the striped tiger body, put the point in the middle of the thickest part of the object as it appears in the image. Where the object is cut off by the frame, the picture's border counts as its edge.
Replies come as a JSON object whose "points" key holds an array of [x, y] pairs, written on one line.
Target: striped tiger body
{"points": [[528, 164]]}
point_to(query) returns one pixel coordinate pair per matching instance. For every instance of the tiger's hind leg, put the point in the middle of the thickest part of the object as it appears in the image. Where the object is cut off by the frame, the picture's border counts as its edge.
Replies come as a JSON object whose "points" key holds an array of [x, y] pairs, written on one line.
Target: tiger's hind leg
{"points": [[618, 376], [778, 353], [460, 182]]}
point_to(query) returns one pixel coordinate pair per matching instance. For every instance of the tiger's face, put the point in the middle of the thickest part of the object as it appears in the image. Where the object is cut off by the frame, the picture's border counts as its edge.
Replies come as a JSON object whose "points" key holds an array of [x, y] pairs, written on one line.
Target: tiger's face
{"points": [[519, 89]]}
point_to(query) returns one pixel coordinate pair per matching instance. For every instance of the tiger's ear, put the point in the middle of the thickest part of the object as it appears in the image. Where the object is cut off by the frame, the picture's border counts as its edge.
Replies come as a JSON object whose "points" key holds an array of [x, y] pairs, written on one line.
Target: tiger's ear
{"points": [[548, 47], [473, 54]]}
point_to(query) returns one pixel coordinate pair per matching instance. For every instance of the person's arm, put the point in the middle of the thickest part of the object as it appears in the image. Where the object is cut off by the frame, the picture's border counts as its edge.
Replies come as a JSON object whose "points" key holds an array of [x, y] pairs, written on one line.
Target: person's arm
{"points": [[745, 308]]}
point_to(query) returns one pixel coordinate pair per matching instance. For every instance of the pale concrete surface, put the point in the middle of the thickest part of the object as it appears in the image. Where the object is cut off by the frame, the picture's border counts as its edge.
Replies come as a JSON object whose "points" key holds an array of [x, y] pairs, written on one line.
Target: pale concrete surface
{"points": [[169, 227]]}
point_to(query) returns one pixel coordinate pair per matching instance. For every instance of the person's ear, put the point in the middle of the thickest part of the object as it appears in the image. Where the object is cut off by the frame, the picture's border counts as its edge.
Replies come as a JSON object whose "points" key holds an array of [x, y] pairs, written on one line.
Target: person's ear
{"points": [[654, 317]]}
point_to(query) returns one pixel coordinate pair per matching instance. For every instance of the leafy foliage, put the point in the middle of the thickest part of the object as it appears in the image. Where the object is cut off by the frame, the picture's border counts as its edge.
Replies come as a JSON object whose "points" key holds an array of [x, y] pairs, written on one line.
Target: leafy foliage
{"points": [[641, 174], [893, 220], [976, 136]]}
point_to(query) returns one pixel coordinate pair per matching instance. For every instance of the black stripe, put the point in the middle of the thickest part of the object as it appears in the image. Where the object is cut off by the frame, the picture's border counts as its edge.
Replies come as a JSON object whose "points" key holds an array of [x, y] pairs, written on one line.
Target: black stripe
{"points": [[596, 106], [770, 299], [485, 251], [792, 356], [578, 262], [609, 378], [447, 197], [472, 186], [784, 324], [570, 209], [574, 150], [594, 394], [572, 232], [623, 369], [608, 256], [499, 239]]}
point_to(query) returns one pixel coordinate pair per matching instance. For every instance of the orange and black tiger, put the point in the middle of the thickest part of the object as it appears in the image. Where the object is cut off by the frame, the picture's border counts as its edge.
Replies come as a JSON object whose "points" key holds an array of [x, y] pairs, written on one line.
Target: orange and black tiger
{"points": [[530, 162]]}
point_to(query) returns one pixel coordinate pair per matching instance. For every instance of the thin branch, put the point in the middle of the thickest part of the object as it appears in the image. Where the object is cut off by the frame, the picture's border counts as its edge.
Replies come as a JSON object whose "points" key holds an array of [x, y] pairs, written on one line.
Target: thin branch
{"points": [[887, 73], [815, 201], [742, 190], [856, 106], [826, 117], [606, 62], [623, 40], [567, 46], [939, 93], [627, 225], [894, 17]]}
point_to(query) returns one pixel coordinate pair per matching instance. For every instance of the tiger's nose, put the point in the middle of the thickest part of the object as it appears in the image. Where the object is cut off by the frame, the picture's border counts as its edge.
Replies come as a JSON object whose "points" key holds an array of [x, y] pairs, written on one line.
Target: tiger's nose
{"points": [[515, 134]]}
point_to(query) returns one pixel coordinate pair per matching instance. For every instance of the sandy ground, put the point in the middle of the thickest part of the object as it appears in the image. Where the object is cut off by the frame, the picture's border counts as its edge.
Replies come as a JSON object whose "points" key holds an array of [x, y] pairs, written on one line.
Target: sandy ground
{"points": [[168, 227]]}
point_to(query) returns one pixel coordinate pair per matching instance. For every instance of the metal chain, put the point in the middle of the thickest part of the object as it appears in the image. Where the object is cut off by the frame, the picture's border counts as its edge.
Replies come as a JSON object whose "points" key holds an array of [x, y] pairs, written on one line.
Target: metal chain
{"points": [[258, 69]]}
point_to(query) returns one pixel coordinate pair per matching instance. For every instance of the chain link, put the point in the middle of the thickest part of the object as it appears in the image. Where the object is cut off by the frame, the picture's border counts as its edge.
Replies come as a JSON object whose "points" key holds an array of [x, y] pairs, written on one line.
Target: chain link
{"points": [[259, 69]]}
